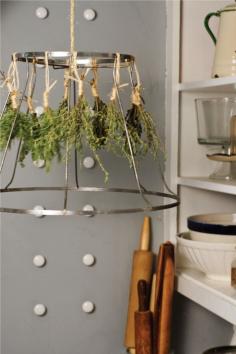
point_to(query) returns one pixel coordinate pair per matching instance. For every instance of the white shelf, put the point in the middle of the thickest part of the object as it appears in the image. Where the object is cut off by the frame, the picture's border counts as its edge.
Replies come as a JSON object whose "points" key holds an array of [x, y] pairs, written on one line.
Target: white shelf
{"points": [[228, 187], [223, 84], [216, 297]]}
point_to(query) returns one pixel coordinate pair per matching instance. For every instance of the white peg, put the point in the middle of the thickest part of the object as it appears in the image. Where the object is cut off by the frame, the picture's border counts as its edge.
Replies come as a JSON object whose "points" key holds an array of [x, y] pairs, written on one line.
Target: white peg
{"points": [[88, 260], [40, 310], [88, 307], [42, 13], [39, 110], [90, 14], [89, 208], [40, 66], [39, 261], [39, 163], [38, 211], [88, 162]]}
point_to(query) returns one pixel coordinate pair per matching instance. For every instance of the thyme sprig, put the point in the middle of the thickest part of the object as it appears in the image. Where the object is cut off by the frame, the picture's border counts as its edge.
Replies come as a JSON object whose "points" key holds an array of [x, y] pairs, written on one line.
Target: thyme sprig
{"points": [[100, 129]]}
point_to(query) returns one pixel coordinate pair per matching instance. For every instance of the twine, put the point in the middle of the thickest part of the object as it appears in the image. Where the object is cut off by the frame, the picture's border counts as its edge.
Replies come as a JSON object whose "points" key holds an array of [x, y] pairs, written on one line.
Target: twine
{"points": [[14, 86], [12, 81], [48, 87], [137, 76], [30, 89], [72, 26], [80, 80], [94, 83], [66, 83], [116, 76], [136, 93]]}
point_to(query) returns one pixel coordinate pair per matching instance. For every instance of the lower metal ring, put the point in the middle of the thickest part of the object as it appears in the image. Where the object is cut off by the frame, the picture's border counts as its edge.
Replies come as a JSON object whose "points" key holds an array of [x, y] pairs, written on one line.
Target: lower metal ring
{"points": [[66, 212]]}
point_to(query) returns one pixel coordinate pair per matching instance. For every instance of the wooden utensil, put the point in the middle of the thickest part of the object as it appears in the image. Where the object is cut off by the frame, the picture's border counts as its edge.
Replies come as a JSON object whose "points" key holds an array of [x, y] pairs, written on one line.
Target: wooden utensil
{"points": [[164, 298], [141, 269], [143, 321]]}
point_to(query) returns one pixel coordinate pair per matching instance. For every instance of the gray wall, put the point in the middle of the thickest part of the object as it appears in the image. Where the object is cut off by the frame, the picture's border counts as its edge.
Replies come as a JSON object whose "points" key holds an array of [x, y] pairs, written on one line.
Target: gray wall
{"points": [[63, 285], [195, 329]]}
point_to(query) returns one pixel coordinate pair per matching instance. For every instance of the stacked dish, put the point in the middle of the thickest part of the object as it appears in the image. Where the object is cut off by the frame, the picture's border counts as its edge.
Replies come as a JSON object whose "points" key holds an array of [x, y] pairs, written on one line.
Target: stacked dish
{"points": [[209, 246]]}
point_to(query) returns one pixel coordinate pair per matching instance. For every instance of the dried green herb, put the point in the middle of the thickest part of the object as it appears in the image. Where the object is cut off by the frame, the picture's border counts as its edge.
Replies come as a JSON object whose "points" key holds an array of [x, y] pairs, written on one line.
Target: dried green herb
{"points": [[99, 121], [101, 128], [89, 133]]}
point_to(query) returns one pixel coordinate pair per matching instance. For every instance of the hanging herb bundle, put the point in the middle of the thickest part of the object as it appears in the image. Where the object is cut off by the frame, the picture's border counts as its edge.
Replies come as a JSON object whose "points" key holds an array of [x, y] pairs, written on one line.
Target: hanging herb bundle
{"points": [[99, 117], [6, 125], [143, 134], [57, 132], [93, 124]]}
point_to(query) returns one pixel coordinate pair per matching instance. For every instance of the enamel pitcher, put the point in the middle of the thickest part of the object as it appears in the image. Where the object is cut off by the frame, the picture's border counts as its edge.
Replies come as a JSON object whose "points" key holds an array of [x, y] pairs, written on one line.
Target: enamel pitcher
{"points": [[225, 53]]}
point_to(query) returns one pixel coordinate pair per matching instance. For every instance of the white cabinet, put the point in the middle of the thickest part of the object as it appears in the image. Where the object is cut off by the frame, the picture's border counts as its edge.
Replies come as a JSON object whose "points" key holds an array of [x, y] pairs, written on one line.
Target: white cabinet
{"points": [[189, 59]]}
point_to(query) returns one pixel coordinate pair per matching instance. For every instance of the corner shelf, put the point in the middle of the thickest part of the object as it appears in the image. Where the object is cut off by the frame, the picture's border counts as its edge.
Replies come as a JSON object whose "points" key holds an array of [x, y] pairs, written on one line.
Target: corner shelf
{"points": [[217, 297], [228, 187], [223, 84]]}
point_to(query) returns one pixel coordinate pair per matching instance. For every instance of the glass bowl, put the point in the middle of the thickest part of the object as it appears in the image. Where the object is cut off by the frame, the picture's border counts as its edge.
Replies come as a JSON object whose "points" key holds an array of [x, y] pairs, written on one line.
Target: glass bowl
{"points": [[213, 120]]}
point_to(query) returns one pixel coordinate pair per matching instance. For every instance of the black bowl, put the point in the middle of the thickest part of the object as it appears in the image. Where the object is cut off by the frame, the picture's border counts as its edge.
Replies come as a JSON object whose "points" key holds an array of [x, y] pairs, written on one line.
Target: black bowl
{"points": [[221, 350], [220, 224]]}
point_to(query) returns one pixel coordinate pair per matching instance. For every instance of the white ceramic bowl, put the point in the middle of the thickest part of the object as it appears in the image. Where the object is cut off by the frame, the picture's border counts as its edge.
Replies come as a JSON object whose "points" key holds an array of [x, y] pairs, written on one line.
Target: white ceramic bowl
{"points": [[213, 259], [213, 238]]}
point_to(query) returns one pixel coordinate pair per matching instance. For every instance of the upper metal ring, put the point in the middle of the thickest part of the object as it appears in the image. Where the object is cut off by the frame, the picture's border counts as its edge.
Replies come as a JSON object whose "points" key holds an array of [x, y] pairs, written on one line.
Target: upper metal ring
{"points": [[84, 59]]}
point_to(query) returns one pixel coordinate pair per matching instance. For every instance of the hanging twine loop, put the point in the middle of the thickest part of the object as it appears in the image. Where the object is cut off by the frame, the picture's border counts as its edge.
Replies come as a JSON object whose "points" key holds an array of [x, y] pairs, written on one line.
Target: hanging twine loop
{"points": [[30, 89], [66, 84], [12, 81], [72, 26], [48, 87], [15, 83], [136, 93], [136, 96], [94, 81], [116, 77]]}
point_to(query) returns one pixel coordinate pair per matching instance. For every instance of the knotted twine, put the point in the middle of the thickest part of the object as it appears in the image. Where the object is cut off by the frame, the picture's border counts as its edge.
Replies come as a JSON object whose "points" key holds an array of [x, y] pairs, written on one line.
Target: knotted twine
{"points": [[116, 77], [12, 81], [30, 89], [136, 92], [48, 87]]}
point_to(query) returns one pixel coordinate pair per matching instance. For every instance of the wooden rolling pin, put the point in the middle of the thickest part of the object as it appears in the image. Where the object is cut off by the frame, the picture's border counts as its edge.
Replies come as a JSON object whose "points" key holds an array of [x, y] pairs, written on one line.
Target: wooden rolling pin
{"points": [[141, 269], [143, 321], [164, 298]]}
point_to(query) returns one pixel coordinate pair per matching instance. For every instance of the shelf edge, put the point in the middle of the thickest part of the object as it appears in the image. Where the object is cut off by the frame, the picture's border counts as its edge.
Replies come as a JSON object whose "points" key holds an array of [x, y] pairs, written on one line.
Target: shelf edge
{"points": [[208, 84], [204, 183], [209, 298]]}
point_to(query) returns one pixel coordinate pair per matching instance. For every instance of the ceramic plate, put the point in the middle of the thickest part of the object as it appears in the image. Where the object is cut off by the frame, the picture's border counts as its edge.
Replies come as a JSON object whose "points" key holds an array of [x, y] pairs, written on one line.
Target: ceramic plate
{"points": [[220, 224]]}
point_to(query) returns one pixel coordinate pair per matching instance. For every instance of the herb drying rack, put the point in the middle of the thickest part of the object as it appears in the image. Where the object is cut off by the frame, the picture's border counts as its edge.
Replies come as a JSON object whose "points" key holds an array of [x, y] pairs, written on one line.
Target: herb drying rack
{"points": [[76, 66]]}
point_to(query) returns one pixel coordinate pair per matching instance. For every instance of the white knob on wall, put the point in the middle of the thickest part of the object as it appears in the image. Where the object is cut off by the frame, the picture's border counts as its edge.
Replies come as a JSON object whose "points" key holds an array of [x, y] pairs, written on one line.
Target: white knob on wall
{"points": [[39, 110], [39, 163], [89, 208], [88, 162], [41, 13], [40, 310], [38, 211], [88, 260], [39, 260], [90, 14], [88, 307]]}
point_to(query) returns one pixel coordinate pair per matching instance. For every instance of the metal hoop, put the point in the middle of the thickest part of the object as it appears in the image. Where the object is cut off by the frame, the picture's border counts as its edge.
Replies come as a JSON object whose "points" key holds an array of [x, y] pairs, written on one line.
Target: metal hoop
{"points": [[84, 59], [53, 212]]}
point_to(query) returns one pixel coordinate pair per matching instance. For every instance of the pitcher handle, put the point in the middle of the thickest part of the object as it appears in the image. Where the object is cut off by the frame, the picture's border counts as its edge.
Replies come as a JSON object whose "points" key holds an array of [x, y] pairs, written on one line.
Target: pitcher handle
{"points": [[206, 24]]}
